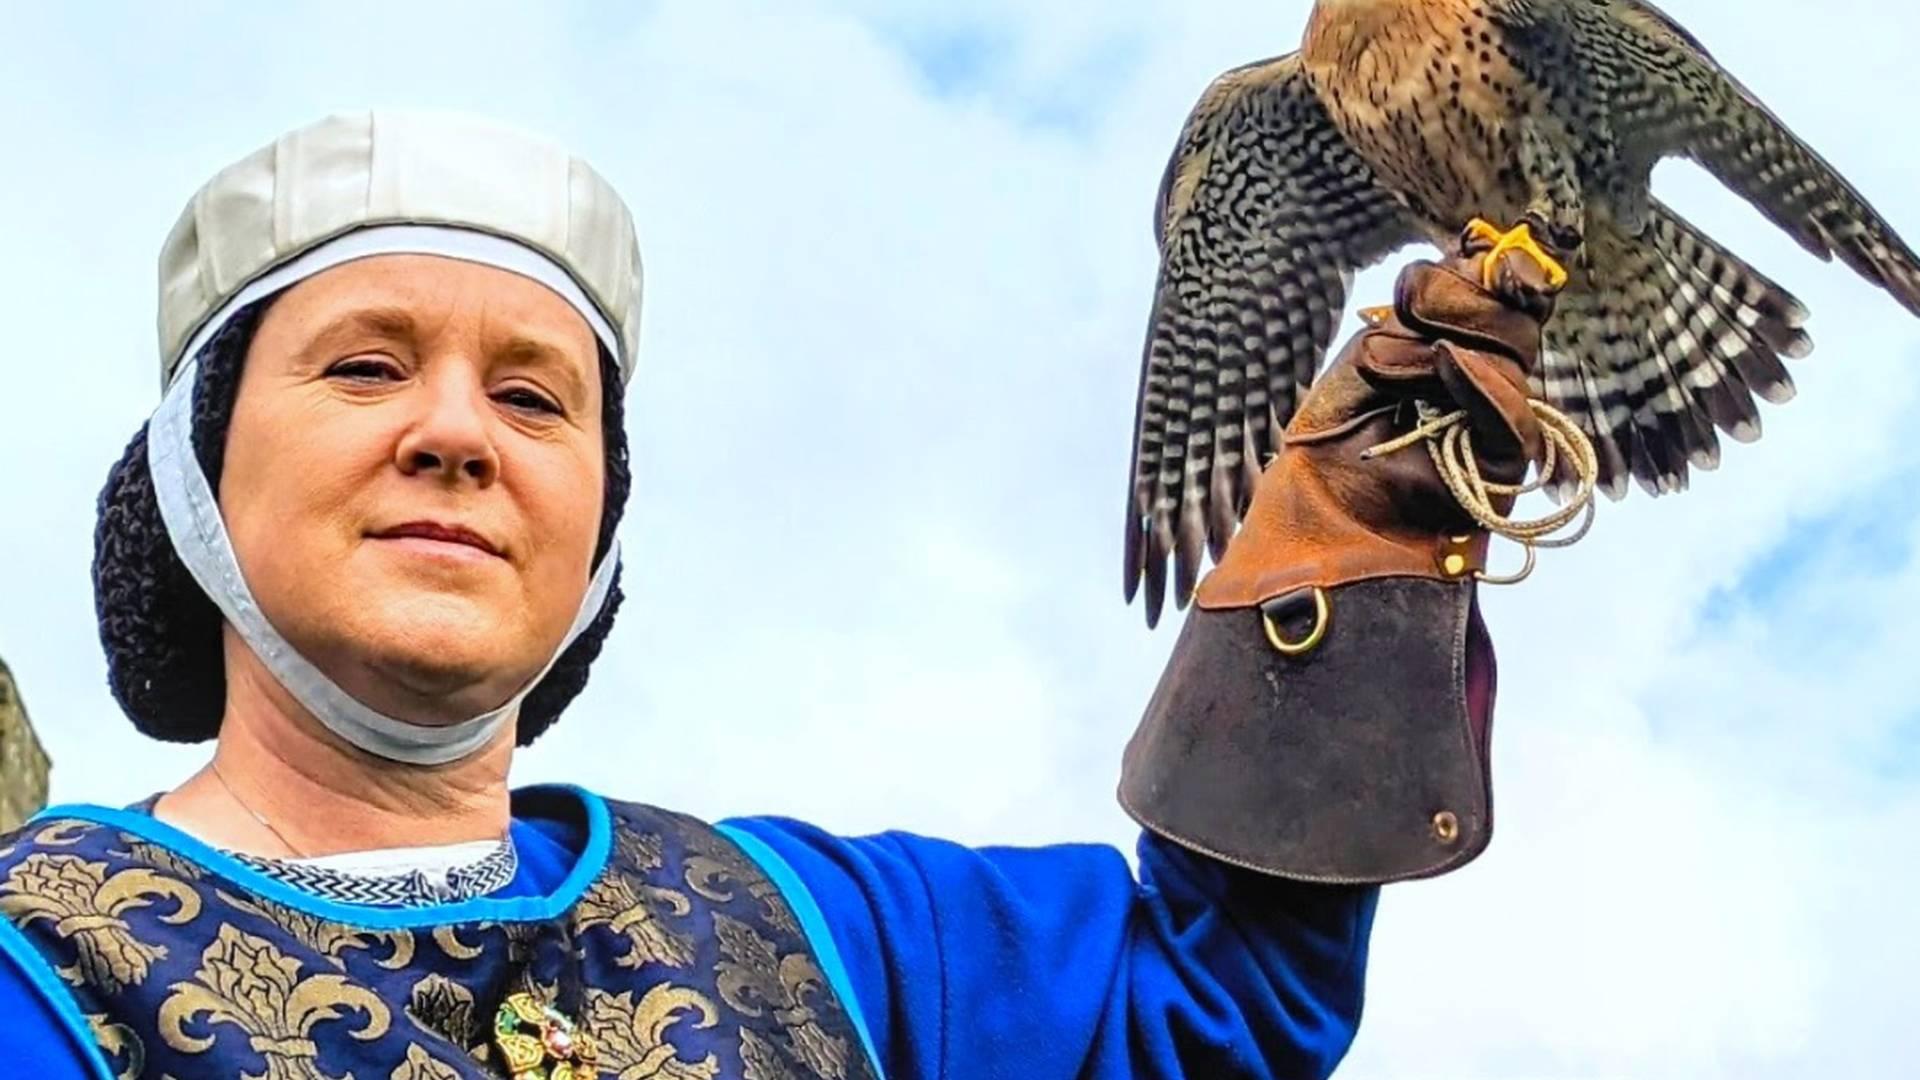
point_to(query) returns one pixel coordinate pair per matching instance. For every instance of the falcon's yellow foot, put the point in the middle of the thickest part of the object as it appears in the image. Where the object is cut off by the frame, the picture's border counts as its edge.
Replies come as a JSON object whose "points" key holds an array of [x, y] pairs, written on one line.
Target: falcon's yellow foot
{"points": [[1519, 238], [1485, 231], [1376, 316]]}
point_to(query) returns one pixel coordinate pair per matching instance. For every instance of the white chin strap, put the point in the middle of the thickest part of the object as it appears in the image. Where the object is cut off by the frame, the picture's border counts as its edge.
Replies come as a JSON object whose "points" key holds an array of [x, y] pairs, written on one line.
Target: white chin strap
{"points": [[199, 535]]}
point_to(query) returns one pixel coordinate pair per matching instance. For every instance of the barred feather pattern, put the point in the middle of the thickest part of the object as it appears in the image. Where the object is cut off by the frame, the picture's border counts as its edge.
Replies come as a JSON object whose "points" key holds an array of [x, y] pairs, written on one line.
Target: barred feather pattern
{"points": [[1402, 120], [1264, 215], [1664, 95], [1663, 342]]}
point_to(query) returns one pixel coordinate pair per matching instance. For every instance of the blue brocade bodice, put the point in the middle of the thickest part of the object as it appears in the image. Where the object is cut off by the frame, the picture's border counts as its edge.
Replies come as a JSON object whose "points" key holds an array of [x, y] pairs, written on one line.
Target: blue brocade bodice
{"points": [[668, 951]]}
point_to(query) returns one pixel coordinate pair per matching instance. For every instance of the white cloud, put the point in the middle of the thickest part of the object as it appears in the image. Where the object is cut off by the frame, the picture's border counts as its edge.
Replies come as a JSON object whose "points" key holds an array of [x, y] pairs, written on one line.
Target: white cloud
{"points": [[885, 388]]}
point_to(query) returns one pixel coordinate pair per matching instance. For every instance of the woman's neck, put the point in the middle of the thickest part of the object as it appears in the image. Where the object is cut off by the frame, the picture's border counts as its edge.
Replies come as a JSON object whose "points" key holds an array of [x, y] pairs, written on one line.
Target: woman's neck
{"points": [[281, 785]]}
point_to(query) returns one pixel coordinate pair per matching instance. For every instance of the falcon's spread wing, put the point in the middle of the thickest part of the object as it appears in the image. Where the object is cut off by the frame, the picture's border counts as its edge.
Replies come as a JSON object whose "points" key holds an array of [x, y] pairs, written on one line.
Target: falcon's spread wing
{"points": [[1680, 102], [1665, 96], [1264, 214], [1673, 335]]}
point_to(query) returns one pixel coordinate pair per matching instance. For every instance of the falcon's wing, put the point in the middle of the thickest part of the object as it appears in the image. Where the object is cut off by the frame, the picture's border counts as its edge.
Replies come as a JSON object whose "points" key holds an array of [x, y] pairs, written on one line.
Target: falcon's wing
{"points": [[1264, 214], [1666, 96]]}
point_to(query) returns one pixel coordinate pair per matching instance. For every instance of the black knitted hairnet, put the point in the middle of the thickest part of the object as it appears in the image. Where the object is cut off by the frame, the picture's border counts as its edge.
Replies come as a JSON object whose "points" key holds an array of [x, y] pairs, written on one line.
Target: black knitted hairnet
{"points": [[162, 634]]}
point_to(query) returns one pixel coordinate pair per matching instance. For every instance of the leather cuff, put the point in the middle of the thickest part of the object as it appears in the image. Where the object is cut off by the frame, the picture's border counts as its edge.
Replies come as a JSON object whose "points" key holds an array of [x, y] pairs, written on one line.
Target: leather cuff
{"points": [[1362, 759]]}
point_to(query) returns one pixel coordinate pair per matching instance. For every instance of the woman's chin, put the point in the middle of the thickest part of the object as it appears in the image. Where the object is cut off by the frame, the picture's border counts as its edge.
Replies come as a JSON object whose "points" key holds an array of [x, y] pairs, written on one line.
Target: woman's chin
{"points": [[439, 661], [431, 690]]}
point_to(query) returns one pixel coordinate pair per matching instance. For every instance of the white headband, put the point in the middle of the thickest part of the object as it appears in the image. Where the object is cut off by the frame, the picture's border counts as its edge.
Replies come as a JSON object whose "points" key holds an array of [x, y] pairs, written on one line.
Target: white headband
{"points": [[346, 180], [451, 241]]}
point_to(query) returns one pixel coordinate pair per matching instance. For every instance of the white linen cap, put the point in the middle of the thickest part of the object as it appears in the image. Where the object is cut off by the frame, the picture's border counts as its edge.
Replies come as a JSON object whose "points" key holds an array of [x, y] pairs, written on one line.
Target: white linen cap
{"points": [[389, 181]]}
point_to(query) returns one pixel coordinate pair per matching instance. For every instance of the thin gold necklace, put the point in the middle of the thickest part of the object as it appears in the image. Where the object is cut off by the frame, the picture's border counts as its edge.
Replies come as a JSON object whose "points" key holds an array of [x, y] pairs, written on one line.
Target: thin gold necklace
{"points": [[257, 815]]}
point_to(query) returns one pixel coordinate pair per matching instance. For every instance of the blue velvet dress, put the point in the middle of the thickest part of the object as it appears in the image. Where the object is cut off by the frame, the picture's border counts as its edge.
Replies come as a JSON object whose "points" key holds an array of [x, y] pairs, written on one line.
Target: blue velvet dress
{"points": [[932, 959]]}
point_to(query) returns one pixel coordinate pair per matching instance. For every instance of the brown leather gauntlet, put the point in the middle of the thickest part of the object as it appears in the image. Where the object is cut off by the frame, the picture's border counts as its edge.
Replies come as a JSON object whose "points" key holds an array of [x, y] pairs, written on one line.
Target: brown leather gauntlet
{"points": [[1325, 713]]}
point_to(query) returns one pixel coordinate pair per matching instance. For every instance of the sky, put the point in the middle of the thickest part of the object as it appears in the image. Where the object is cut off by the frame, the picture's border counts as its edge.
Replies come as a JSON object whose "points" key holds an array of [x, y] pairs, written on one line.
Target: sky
{"points": [[899, 257]]}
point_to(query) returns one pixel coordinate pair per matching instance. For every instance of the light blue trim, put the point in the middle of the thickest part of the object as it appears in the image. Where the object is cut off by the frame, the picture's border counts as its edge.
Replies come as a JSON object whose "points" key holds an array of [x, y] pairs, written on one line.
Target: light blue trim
{"points": [[513, 909], [34, 967], [813, 923]]}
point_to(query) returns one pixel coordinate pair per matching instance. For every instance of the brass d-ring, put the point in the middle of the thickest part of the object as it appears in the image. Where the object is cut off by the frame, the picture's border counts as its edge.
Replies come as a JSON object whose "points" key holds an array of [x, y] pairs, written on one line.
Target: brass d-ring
{"points": [[1322, 614]]}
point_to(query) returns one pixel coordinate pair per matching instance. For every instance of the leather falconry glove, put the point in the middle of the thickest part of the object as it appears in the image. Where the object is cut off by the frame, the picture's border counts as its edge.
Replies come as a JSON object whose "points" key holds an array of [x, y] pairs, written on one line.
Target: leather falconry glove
{"points": [[1325, 713]]}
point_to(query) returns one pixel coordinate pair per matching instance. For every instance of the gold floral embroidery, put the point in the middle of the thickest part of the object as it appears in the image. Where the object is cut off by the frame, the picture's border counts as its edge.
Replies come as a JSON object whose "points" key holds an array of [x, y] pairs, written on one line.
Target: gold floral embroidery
{"points": [[825, 1054], [451, 944], [639, 851], [761, 1059], [120, 1044], [421, 1065], [245, 982], [328, 938], [58, 834], [712, 868], [638, 912], [445, 1008], [152, 854], [85, 905], [754, 978], [641, 1032], [63, 833], [709, 876]]}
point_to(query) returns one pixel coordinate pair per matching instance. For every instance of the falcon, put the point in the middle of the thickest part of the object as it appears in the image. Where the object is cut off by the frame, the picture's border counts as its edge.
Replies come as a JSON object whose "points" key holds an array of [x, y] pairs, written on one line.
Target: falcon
{"points": [[1531, 123]]}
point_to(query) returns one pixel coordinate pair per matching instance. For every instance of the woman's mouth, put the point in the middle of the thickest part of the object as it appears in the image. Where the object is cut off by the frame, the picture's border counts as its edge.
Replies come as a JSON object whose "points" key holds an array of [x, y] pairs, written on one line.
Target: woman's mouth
{"points": [[439, 535]]}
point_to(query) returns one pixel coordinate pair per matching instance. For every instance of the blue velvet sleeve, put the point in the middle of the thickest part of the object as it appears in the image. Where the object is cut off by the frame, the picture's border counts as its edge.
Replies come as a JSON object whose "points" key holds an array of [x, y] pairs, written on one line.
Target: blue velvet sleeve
{"points": [[1056, 964], [45, 1036]]}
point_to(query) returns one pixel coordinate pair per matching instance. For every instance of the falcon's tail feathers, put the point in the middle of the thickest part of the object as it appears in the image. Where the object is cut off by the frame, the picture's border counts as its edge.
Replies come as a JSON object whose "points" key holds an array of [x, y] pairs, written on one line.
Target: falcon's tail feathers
{"points": [[1670, 336]]}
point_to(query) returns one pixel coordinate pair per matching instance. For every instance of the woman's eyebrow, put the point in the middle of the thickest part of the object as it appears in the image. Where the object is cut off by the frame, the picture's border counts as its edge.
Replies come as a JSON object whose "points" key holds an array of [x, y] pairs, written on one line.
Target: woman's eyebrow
{"points": [[539, 352], [398, 324], [383, 321]]}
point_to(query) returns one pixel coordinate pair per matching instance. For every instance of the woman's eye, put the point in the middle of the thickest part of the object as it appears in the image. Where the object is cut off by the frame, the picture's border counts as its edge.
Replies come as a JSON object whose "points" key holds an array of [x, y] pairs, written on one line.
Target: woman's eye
{"points": [[527, 400], [364, 368]]}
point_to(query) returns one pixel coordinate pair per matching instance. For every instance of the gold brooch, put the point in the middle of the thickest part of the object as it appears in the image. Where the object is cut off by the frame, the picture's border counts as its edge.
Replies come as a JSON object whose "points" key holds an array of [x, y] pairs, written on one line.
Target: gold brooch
{"points": [[539, 1042]]}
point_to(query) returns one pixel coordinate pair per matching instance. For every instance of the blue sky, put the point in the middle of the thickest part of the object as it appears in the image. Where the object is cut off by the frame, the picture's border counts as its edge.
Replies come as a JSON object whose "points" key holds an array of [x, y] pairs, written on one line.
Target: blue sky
{"points": [[899, 257]]}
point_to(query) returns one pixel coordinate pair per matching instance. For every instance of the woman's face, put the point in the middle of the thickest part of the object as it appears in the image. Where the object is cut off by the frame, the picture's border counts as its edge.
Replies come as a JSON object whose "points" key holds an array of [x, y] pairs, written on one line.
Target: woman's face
{"points": [[413, 478]]}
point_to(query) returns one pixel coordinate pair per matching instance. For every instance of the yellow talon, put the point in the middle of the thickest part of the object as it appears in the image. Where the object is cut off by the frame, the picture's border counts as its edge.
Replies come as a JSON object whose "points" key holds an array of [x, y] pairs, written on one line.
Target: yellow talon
{"points": [[1519, 238], [1484, 230]]}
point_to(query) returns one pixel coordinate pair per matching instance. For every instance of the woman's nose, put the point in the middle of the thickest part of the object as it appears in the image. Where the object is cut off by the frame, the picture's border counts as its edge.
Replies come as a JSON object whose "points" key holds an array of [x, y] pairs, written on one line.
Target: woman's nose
{"points": [[450, 438]]}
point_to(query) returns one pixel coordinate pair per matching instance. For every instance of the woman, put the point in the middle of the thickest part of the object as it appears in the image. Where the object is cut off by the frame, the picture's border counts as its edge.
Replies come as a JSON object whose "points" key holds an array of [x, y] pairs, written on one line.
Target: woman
{"points": [[366, 546]]}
